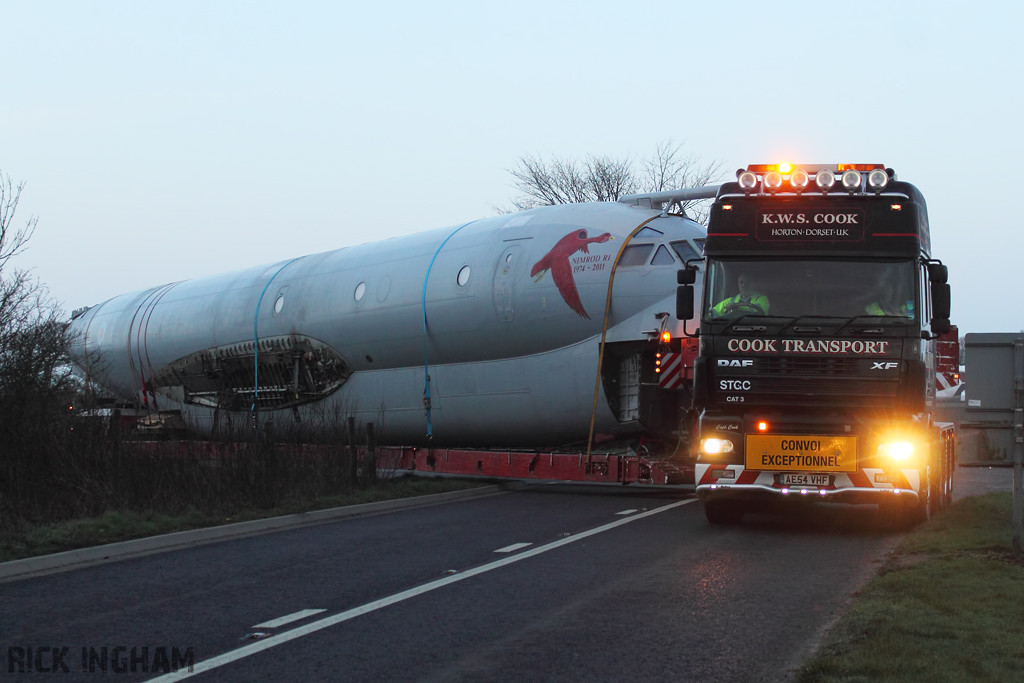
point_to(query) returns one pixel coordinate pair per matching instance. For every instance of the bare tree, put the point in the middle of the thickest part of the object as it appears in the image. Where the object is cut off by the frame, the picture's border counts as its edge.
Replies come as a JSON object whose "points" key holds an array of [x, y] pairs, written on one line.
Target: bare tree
{"points": [[606, 178], [12, 239], [35, 380]]}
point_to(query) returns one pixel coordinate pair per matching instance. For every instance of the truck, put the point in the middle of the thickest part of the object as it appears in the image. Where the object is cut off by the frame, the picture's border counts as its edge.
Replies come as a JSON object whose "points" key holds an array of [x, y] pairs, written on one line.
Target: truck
{"points": [[815, 378]]}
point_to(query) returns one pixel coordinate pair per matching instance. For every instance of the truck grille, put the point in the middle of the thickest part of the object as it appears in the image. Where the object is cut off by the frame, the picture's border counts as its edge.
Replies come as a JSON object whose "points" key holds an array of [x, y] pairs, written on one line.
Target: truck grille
{"points": [[818, 367]]}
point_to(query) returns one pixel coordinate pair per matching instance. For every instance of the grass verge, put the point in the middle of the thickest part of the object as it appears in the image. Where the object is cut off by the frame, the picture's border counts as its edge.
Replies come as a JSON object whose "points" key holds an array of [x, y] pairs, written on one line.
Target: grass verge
{"points": [[948, 605], [124, 525]]}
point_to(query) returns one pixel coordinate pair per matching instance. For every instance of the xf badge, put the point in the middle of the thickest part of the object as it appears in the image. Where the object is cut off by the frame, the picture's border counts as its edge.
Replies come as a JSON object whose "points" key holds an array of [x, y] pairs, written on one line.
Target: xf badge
{"points": [[880, 365]]}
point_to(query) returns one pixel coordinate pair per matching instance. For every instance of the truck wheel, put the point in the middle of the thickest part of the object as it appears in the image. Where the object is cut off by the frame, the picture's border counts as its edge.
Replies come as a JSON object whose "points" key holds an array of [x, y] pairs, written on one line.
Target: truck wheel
{"points": [[920, 512], [898, 515], [719, 512]]}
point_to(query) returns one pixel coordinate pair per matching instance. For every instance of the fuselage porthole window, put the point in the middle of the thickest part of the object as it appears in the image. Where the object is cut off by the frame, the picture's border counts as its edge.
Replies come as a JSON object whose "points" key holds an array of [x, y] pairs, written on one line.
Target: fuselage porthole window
{"points": [[360, 291], [463, 276]]}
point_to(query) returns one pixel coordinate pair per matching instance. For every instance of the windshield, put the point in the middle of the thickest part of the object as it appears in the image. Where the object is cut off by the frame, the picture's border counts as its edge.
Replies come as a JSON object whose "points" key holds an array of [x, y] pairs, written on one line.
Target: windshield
{"points": [[796, 288]]}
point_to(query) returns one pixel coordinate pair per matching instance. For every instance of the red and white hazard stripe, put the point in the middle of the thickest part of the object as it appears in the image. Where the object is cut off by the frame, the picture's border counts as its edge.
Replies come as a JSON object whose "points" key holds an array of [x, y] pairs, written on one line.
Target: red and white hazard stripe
{"points": [[671, 376]]}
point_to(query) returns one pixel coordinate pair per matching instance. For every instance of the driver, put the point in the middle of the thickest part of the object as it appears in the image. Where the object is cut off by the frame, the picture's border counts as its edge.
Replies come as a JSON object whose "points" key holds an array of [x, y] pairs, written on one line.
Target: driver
{"points": [[749, 299]]}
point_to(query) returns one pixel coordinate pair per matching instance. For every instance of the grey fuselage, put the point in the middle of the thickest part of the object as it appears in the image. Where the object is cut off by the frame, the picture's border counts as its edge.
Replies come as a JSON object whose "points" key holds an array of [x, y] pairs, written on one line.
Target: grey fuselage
{"points": [[511, 354]]}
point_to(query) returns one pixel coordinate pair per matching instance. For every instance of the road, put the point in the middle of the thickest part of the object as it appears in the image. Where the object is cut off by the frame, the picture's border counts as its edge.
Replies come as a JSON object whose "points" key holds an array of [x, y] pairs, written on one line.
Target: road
{"points": [[553, 582]]}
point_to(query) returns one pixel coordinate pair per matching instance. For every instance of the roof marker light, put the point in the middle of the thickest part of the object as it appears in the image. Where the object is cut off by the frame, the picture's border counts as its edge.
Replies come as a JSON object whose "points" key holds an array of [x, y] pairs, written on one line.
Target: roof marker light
{"points": [[747, 181], [772, 180], [799, 179], [762, 426], [825, 180], [785, 167], [666, 337], [877, 180], [851, 180]]}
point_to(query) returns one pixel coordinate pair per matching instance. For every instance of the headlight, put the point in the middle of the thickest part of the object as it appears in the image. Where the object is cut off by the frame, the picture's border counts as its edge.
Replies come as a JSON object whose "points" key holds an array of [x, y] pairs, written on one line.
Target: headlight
{"points": [[897, 450], [747, 180], [715, 446], [825, 179], [772, 180], [799, 179], [877, 180], [851, 180]]}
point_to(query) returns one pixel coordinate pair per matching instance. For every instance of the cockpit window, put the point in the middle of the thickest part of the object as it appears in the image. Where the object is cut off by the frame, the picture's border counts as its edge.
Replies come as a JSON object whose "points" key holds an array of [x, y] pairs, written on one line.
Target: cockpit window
{"points": [[685, 251], [700, 244], [635, 254], [662, 257]]}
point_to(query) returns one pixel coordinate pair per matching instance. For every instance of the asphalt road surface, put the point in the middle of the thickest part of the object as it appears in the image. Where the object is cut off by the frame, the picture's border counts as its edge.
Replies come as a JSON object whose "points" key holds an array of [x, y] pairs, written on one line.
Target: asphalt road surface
{"points": [[554, 582]]}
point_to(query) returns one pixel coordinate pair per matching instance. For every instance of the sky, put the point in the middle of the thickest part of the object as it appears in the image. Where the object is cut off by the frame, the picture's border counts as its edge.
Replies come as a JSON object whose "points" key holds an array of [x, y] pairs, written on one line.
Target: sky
{"points": [[165, 141]]}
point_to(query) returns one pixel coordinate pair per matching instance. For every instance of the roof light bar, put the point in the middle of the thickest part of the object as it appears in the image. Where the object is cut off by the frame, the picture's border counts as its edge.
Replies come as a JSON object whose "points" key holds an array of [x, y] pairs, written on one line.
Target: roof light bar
{"points": [[774, 176]]}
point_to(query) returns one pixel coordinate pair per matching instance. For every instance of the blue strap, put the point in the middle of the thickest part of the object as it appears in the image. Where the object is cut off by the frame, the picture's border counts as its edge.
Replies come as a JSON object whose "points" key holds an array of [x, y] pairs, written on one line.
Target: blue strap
{"points": [[256, 340], [426, 365]]}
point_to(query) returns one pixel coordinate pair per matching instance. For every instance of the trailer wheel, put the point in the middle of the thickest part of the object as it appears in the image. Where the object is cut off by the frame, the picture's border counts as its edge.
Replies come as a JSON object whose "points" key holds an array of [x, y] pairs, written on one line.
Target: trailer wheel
{"points": [[720, 512]]}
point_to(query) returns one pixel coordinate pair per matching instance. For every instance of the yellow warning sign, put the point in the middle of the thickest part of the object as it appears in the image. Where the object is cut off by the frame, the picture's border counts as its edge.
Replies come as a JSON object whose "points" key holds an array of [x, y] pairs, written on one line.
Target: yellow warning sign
{"points": [[804, 453]]}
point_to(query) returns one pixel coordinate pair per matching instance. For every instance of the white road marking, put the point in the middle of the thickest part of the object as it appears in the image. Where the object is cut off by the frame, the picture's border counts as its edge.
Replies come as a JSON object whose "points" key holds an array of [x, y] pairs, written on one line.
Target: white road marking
{"points": [[626, 512], [326, 622], [513, 547], [289, 618]]}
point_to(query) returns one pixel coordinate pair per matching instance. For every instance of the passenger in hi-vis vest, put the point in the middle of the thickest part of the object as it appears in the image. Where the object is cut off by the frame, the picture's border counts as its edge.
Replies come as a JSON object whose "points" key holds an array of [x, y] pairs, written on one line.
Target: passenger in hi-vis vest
{"points": [[886, 302], [749, 300]]}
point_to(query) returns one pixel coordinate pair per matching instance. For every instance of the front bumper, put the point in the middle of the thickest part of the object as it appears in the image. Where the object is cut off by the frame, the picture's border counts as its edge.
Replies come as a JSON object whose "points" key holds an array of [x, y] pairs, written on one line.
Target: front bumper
{"points": [[858, 487]]}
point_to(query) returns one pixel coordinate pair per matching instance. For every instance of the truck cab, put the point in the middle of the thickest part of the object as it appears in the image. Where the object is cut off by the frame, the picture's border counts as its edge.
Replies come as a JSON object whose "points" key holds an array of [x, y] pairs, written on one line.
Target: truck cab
{"points": [[815, 378]]}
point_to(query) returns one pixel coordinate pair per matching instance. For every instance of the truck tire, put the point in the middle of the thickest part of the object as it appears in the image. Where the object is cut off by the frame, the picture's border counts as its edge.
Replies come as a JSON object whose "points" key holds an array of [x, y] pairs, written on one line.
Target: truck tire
{"points": [[918, 513], [720, 512], [895, 513]]}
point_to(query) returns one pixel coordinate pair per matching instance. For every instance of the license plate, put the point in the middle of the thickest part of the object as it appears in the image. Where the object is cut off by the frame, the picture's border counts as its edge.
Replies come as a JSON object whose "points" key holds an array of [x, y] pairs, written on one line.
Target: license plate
{"points": [[803, 479], [804, 452]]}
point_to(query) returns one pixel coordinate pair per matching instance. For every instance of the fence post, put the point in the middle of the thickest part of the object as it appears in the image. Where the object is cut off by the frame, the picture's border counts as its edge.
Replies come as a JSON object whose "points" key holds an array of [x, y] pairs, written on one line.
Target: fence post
{"points": [[353, 462], [1018, 445], [115, 430], [370, 463]]}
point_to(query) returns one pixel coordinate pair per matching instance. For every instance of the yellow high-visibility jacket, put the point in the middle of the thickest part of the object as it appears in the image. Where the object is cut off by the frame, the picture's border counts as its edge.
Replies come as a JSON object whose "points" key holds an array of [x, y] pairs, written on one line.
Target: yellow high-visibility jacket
{"points": [[755, 299]]}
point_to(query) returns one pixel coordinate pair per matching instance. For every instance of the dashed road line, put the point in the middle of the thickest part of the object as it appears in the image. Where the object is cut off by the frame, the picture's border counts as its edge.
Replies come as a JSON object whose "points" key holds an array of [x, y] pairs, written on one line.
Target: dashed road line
{"points": [[326, 622], [289, 618], [626, 512], [512, 548]]}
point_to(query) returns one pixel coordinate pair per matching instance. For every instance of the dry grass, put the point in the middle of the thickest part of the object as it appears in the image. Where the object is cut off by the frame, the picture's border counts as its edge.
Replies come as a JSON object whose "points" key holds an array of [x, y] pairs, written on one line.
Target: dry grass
{"points": [[947, 606]]}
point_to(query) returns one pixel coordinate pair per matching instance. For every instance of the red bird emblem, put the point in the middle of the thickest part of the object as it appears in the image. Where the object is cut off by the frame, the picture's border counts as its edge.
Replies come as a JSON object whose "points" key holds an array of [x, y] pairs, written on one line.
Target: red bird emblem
{"points": [[557, 261]]}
